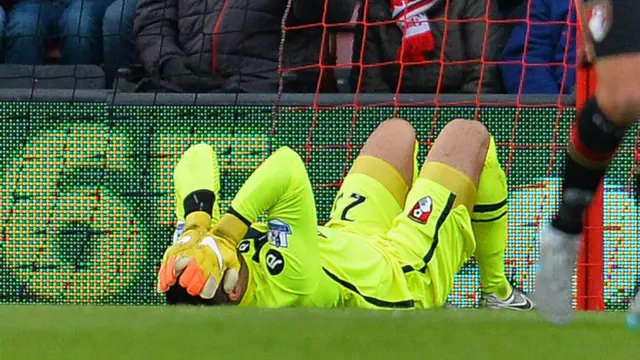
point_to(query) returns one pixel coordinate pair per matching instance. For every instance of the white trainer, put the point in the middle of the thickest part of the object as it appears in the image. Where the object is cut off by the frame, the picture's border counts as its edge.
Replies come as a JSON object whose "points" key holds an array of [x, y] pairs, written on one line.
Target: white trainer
{"points": [[554, 274]]}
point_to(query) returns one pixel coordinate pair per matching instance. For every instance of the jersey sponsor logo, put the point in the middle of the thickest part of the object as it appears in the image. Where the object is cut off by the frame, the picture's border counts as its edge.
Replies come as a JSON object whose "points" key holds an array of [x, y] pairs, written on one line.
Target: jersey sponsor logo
{"points": [[178, 231], [421, 211], [275, 262], [279, 232], [244, 247], [599, 17]]}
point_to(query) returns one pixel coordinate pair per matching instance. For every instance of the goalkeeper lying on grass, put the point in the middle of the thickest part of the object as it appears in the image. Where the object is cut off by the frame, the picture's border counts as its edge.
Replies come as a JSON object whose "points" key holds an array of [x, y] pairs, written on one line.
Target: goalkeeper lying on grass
{"points": [[395, 239]]}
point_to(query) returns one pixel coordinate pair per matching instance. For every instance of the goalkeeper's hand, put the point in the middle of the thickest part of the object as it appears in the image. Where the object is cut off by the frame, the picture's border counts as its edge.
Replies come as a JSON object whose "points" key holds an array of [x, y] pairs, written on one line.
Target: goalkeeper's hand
{"points": [[200, 260]]}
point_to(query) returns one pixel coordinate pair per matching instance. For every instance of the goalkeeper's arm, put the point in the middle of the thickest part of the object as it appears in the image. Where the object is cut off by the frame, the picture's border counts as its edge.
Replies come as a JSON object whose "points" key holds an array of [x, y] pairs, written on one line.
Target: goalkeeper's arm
{"points": [[277, 186], [196, 180]]}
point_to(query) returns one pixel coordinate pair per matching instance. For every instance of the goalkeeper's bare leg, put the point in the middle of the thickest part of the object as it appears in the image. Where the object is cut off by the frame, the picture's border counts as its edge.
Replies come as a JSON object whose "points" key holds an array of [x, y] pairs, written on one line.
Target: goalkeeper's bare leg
{"points": [[386, 159], [394, 142], [594, 140], [468, 147], [460, 182]]}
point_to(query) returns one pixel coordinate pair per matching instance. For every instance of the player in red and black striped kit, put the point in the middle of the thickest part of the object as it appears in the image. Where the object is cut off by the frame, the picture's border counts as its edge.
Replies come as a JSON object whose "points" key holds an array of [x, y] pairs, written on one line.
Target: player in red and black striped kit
{"points": [[612, 45]]}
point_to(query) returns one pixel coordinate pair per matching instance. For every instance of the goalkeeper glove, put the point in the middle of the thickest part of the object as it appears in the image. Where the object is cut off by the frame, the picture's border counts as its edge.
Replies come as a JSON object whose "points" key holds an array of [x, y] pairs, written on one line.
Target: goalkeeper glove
{"points": [[200, 260]]}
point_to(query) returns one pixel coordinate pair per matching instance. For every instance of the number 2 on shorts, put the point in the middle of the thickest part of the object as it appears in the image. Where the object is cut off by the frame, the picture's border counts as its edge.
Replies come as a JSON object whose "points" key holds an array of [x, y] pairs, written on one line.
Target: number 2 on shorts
{"points": [[357, 200]]}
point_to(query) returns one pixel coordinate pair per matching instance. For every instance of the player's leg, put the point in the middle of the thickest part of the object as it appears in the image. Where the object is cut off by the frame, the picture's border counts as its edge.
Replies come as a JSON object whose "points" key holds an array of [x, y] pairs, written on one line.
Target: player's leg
{"points": [[374, 191], [594, 140], [433, 235], [489, 211], [393, 142], [371, 196], [633, 318], [489, 222]]}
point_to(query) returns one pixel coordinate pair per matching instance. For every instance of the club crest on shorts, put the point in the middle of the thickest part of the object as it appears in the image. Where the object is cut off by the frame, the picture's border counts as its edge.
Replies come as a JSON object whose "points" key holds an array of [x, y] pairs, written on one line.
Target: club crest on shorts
{"points": [[421, 211], [598, 17], [279, 232]]}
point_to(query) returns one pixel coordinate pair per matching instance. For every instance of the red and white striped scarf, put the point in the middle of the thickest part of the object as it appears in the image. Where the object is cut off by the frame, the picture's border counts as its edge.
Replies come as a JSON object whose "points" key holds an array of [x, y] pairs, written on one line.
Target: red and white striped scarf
{"points": [[411, 17]]}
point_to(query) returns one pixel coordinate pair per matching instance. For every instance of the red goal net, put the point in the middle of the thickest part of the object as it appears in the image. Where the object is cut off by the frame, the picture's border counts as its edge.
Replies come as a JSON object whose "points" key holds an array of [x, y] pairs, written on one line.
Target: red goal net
{"points": [[513, 68], [86, 197]]}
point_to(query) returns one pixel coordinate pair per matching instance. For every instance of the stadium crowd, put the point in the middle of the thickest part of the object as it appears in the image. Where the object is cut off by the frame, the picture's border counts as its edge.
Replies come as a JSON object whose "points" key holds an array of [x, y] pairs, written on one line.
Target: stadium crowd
{"points": [[370, 46]]}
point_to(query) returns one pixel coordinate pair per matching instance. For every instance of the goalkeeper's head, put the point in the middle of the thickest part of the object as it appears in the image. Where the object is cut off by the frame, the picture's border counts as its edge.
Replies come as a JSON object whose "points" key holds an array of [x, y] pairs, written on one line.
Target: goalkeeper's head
{"points": [[178, 295]]}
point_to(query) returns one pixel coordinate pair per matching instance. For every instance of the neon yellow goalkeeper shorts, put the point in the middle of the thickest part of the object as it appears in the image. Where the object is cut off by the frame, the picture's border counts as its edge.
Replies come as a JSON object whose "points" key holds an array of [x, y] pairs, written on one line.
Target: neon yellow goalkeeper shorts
{"points": [[397, 255]]}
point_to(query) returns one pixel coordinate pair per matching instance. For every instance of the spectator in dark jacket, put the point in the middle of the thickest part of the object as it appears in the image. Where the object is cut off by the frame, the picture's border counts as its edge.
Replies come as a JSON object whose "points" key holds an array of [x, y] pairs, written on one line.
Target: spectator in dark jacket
{"points": [[33, 24], [232, 45], [458, 68], [550, 54], [2, 21], [117, 30]]}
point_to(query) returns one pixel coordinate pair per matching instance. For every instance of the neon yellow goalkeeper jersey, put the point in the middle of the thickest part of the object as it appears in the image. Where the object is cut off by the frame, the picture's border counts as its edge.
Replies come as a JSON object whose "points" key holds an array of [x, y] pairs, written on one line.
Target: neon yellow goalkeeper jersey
{"points": [[291, 260], [297, 263], [278, 278]]}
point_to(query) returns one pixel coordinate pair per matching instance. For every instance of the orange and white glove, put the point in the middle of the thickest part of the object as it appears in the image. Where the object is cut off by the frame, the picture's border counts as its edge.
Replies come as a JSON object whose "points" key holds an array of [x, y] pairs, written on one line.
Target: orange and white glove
{"points": [[200, 260]]}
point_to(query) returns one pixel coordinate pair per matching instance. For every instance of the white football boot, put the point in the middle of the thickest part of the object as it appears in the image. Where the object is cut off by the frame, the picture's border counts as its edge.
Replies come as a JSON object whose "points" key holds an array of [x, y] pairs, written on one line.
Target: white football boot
{"points": [[517, 301], [554, 274], [633, 318]]}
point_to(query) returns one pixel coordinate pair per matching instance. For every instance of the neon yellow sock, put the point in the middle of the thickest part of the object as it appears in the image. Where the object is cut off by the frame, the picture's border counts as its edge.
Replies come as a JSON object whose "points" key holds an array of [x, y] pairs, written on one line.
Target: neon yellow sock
{"points": [[489, 222]]}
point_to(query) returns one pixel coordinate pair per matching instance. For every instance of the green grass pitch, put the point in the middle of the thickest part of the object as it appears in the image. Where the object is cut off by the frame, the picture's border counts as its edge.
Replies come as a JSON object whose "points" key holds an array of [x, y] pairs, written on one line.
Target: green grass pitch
{"points": [[75, 332]]}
